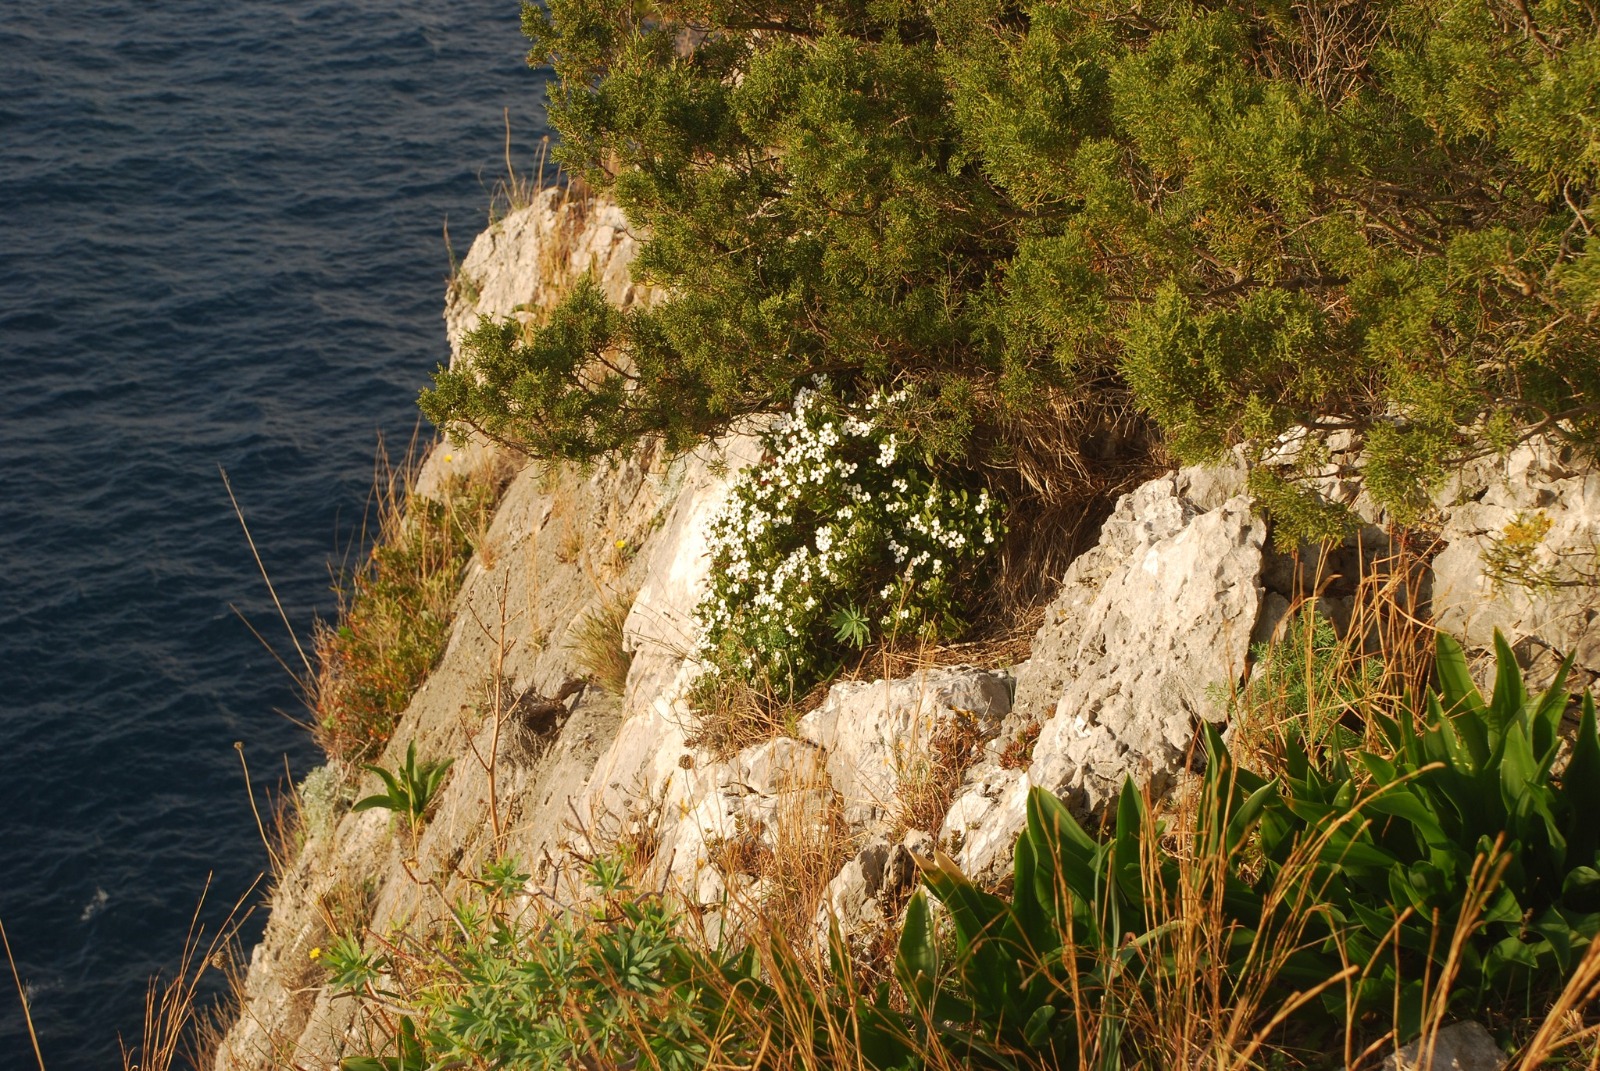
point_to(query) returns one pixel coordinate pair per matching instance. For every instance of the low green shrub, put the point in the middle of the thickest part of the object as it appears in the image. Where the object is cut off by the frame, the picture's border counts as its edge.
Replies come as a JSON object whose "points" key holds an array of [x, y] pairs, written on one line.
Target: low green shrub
{"points": [[1472, 785], [1105, 947], [841, 535], [613, 982]]}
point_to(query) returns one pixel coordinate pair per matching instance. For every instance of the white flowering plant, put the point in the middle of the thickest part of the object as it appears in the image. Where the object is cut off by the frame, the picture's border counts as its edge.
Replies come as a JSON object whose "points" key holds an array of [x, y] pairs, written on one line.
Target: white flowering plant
{"points": [[839, 537]]}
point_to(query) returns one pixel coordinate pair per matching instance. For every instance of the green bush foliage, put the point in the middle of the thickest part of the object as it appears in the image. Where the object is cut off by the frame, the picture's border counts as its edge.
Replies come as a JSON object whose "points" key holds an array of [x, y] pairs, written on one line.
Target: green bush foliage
{"points": [[1373, 216], [839, 536], [596, 987], [614, 982]]}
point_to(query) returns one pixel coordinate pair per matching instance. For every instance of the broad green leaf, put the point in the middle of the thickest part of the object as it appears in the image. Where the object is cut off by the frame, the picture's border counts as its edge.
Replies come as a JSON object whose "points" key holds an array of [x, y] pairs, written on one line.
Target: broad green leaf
{"points": [[1519, 772], [1249, 812], [1555, 930], [1547, 715], [1035, 918], [1509, 695], [917, 962], [1463, 704], [1581, 886], [1038, 1025], [1380, 769], [1353, 851], [1580, 788], [1125, 857], [1409, 802], [396, 791]]}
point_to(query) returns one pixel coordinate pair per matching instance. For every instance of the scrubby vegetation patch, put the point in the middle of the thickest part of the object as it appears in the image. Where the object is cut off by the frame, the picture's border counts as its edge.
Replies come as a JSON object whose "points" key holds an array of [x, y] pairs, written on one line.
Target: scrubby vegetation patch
{"points": [[840, 537], [1315, 918], [394, 614]]}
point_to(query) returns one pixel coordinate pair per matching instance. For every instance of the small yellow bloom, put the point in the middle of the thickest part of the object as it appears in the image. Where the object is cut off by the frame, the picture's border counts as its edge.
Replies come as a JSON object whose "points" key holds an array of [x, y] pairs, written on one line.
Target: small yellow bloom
{"points": [[449, 457], [316, 953], [622, 544]]}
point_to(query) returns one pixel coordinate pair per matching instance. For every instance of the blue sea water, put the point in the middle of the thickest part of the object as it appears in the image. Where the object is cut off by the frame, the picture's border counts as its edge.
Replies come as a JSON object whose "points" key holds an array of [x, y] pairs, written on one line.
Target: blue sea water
{"points": [[219, 248]]}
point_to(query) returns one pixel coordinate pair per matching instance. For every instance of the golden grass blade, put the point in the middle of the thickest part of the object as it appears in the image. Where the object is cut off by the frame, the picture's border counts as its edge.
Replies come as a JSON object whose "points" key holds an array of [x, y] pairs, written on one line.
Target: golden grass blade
{"points": [[22, 995], [237, 512]]}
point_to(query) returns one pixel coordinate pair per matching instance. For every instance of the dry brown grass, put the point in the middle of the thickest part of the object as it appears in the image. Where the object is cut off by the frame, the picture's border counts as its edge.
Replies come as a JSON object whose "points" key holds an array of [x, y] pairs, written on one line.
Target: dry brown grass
{"points": [[596, 642], [932, 774], [1059, 466], [346, 907], [810, 844], [731, 715], [1384, 652], [1018, 753], [179, 1029]]}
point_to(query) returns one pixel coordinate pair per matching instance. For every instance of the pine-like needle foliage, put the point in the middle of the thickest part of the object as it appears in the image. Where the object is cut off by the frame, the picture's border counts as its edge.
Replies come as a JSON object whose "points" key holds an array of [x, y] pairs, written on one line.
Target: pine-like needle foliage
{"points": [[1233, 218]]}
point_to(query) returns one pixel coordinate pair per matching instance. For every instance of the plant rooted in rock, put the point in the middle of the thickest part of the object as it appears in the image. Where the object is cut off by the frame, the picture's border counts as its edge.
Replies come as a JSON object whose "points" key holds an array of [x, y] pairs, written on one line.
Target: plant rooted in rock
{"points": [[840, 536], [409, 789]]}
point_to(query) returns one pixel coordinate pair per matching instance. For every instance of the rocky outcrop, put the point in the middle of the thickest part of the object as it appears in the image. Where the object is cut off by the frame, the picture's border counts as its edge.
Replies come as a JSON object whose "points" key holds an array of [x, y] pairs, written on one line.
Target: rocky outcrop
{"points": [[1520, 552], [865, 898], [1463, 1046], [875, 732], [563, 544], [523, 261], [837, 781], [1148, 637]]}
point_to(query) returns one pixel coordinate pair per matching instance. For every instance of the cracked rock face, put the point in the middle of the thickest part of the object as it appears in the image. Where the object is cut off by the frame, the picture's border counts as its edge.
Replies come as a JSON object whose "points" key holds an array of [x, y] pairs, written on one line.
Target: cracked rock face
{"points": [[870, 891], [1150, 627], [849, 755], [1544, 622], [874, 732], [1145, 658], [733, 809]]}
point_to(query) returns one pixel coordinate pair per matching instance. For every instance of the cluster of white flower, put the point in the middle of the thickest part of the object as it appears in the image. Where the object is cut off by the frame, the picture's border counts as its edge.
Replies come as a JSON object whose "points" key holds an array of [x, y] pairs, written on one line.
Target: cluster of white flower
{"points": [[836, 518]]}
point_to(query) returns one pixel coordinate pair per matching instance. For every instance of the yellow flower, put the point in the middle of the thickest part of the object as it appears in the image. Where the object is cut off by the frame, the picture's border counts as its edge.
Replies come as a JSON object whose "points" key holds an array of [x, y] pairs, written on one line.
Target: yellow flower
{"points": [[622, 544], [316, 953], [449, 457]]}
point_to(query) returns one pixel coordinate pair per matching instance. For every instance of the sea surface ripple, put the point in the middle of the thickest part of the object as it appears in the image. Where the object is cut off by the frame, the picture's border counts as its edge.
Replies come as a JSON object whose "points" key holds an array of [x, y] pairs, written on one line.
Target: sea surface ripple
{"points": [[219, 247]]}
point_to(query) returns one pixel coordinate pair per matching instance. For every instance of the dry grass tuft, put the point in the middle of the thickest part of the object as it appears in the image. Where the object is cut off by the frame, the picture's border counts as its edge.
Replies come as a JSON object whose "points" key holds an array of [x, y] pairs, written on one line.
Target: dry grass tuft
{"points": [[810, 843], [346, 907], [731, 715], [932, 775], [178, 1029], [1380, 651], [1059, 466], [596, 642], [1018, 753]]}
